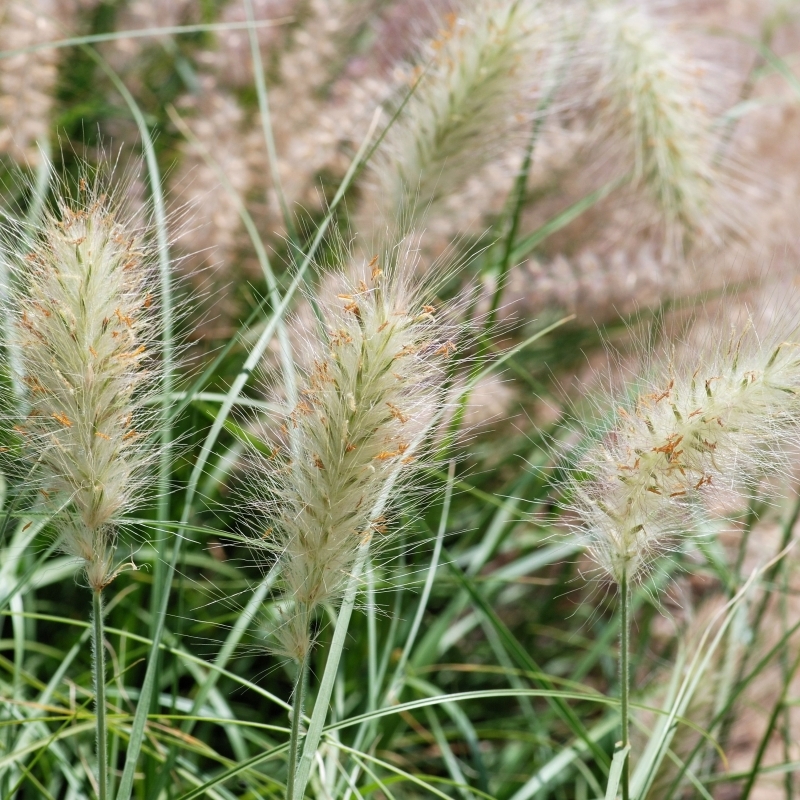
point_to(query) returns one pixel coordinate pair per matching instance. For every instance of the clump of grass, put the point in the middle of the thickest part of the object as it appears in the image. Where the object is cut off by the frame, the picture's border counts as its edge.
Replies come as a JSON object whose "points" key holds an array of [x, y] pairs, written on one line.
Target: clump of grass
{"points": [[412, 677]]}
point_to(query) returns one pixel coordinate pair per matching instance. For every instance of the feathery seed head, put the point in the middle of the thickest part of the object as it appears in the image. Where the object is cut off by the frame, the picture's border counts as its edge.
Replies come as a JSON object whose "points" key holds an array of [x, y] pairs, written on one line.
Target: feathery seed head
{"points": [[653, 93], [366, 403], [704, 424], [470, 80], [86, 322]]}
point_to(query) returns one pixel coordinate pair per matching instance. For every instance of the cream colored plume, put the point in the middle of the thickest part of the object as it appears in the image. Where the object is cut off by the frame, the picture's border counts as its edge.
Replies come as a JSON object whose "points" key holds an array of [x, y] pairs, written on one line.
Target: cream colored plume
{"points": [[469, 86], [85, 323], [366, 403], [717, 419], [656, 104]]}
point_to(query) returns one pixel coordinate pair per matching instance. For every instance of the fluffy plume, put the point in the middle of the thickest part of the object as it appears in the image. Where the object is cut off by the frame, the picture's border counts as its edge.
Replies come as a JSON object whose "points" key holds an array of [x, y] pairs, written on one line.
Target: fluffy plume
{"points": [[211, 228], [701, 424], [471, 78], [27, 80], [653, 92], [366, 404], [86, 323]]}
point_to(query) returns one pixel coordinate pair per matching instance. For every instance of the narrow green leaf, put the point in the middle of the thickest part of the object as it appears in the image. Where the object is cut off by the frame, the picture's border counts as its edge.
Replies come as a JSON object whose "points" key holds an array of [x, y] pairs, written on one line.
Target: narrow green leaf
{"points": [[615, 773]]}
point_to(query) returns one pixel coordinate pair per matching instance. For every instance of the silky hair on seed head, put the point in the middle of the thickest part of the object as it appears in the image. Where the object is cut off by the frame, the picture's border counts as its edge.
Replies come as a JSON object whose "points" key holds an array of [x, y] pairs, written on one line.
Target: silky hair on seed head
{"points": [[653, 98], [700, 422], [370, 392], [86, 323], [471, 80]]}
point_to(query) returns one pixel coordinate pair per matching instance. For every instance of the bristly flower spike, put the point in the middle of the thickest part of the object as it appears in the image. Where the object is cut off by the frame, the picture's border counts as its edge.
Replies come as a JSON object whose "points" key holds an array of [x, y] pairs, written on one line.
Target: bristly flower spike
{"points": [[653, 94], [367, 401], [717, 420], [470, 82], [86, 322]]}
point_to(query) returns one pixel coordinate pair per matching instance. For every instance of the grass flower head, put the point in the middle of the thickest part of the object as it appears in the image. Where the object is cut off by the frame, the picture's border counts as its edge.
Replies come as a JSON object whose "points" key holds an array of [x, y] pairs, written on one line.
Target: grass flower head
{"points": [[86, 321], [652, 89], [710, 420], [471, 80], [366, 404]]}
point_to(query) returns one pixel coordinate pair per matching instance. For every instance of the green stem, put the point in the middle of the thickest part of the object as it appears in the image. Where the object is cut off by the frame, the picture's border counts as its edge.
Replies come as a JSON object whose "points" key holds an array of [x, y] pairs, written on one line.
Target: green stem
{"points": [[297, 715], [624, 676], [786, 729], [99, 669], [516, 216], [325, 690]]}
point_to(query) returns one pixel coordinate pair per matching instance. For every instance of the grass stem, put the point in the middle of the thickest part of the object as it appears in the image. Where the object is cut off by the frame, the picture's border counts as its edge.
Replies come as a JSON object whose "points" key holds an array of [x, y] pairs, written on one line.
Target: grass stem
{"points": [[99, 669], [624, 676], [297, 715]]}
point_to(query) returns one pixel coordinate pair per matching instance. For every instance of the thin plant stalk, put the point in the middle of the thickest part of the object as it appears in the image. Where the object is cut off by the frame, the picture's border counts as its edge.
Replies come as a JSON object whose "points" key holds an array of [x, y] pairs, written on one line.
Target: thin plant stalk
{"points": [[786, 727], [266, 120], [625, 677], [99, 669], [297, 715], [517, 197], [320, 712]]}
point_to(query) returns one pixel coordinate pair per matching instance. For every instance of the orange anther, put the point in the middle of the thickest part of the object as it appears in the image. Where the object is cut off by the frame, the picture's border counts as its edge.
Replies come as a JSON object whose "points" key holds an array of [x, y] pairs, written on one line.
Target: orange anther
{"points": [[445, 349], [406, 350], [397, 413]]}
